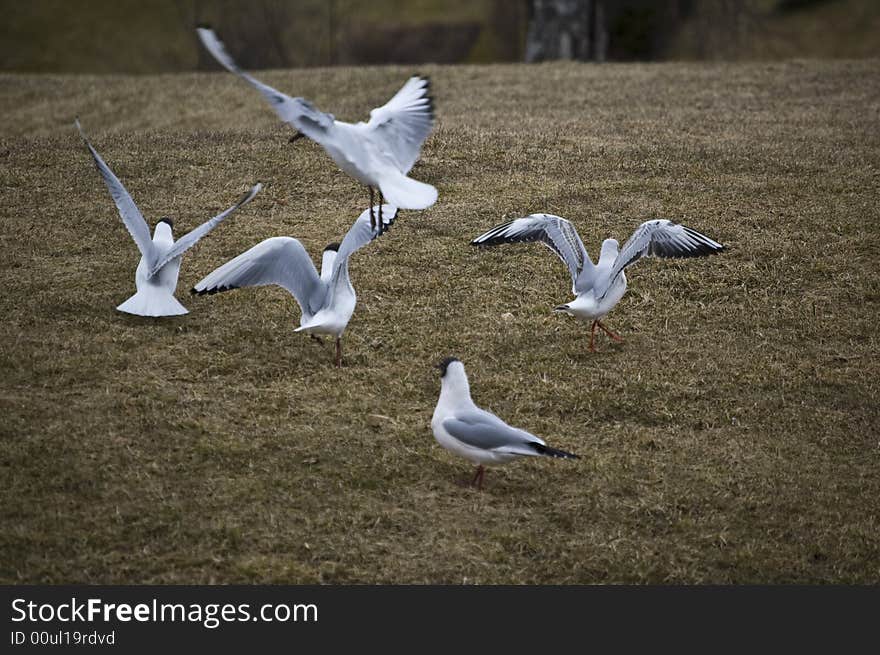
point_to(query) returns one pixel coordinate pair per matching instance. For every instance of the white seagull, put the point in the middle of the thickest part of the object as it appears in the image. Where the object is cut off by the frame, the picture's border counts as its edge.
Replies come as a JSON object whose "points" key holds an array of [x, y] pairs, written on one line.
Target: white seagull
{"points": [[599, 287], [156, 275], [327, 300], [379, 153], [477, 435]]}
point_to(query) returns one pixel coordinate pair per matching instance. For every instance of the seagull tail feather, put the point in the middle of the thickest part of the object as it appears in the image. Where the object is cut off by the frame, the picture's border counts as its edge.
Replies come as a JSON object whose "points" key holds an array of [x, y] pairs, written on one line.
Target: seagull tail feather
{"points": [[407, 193], [153, 302]]}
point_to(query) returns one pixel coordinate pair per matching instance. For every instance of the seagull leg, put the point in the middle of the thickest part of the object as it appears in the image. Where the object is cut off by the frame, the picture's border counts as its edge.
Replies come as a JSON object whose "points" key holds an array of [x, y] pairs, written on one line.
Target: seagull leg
{"points": [[478, 477], [609, 332], [381, 200], [338, 352], [372, 214], [593, 336]]}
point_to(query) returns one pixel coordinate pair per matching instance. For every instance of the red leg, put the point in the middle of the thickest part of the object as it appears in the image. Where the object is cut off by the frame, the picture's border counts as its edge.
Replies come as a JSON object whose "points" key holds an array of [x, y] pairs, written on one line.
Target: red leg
{"points": [[338, 352], [609, 332], [593, 336]]}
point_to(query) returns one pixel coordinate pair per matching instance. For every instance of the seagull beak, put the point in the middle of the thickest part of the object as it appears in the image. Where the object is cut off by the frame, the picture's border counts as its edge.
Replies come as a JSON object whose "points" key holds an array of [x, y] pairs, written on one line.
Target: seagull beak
{"points": [[297, 136]]}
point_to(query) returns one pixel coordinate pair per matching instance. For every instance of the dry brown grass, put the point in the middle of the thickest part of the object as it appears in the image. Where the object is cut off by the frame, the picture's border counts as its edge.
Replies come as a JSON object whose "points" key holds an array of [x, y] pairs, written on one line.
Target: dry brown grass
{"points": [[732, 438]]}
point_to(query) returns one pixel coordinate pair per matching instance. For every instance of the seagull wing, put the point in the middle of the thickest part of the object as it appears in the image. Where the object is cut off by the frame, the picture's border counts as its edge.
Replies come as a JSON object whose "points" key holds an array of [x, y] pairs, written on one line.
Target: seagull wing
{"points": [[553, 231], [279, 260], [660, 238], [402, 124], [188, 240], [297, 111], [129, 212], [360, 234], [481, 429]]}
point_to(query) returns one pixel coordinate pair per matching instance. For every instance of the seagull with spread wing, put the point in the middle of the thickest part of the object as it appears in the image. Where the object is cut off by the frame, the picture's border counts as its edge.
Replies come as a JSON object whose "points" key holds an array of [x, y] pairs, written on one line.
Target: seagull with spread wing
{"points": [[378, 153], [159, 267], [477, 435], [599, 287], [327, 300]]}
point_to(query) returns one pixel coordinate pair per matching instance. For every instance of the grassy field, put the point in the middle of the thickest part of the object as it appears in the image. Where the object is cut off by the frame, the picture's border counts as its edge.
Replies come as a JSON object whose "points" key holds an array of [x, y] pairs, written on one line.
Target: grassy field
{"points": [[732, 438]]}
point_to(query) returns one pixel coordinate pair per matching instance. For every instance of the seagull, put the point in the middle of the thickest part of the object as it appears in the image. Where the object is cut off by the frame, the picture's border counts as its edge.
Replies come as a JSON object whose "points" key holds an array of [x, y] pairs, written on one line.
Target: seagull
{"points": [[600, 286], [477, 435], [378, 153], [327, 300], [156, 274]]}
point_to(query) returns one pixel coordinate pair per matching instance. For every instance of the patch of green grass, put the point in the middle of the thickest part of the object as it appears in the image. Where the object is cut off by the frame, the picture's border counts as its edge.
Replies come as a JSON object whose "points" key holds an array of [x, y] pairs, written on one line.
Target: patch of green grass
{"points": [[732, 438]]}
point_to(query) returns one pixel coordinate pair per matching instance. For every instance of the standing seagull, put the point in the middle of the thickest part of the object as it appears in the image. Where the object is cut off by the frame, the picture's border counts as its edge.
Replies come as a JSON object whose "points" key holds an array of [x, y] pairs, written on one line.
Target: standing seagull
{"points": [[156, 275], [599, 287], [464, 429], [327, 300], [378, 154]]}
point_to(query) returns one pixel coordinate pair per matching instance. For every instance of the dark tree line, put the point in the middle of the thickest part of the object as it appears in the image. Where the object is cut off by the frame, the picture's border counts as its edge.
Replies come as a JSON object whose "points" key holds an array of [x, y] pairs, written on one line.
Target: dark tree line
{"points": [[286, 33], [597, 30]]}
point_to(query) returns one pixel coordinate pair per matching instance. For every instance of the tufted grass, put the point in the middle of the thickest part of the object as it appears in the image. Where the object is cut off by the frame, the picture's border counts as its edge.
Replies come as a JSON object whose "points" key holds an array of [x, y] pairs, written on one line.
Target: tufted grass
{"points": [[733, 438]]}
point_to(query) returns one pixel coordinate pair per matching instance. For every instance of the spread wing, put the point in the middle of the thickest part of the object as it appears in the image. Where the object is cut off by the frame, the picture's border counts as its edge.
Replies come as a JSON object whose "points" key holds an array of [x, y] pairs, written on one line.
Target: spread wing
{"points": [[129, 212], [188, 240], [297, 111], [553, 231], [660, 238], [403, 123], [280, 260], [360, 234]]}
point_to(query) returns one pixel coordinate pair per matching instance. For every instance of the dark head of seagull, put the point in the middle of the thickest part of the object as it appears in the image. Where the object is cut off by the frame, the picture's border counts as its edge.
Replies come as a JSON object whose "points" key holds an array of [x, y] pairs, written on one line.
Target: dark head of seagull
{"points": [[332, 246], [165, 219], [444, 365]]}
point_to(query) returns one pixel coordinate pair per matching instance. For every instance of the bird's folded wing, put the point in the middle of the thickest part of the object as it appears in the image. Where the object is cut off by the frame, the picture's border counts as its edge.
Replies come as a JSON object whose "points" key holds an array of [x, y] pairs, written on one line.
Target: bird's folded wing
{"points": [[188, 240], [556, 233], [360, 233], [480, 429], [131, 215], [279, 260], [296, 111], [402, 124], [660, 238]]}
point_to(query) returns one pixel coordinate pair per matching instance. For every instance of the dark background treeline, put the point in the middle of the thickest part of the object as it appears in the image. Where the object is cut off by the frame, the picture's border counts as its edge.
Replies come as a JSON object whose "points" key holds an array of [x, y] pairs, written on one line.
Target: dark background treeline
{"points": [[99, 36]]}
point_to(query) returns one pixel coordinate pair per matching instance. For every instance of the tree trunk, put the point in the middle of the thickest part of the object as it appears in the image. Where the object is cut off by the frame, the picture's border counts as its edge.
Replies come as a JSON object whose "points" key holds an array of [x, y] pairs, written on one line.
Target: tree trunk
{"points": [[566, 29]]}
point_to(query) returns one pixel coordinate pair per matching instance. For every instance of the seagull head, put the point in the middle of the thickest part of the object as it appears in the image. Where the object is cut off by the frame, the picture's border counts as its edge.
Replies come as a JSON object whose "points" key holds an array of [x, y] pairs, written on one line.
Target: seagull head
{"points": [[164, 224], [453, 380], [446, 363], [610, 248]]}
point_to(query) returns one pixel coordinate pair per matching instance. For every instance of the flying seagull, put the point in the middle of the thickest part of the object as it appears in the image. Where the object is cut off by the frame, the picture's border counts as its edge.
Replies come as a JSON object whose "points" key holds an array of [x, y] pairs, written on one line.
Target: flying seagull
{"points": [[477, 435], [156, 275], [327, 300], [378, 153], [599, 287]]}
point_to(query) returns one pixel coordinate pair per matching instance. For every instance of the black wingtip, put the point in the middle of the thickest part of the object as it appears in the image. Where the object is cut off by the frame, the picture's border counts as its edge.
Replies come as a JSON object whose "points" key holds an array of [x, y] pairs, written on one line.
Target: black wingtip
{"points": [[204, 26], [332, 246], [541, 449], [211, 291]]}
